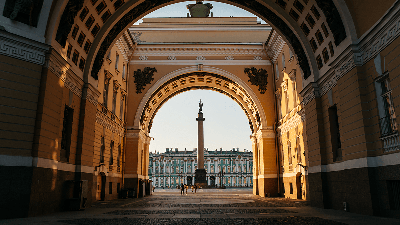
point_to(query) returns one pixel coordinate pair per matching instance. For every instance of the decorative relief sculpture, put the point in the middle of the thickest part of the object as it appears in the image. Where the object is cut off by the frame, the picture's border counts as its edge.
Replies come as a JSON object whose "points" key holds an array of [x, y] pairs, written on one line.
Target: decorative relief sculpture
{"points": [[258, 77], [257, 57], [229, 57], [200, 58], [143, 57], [171, 58], [142, 78], [24, 11]]}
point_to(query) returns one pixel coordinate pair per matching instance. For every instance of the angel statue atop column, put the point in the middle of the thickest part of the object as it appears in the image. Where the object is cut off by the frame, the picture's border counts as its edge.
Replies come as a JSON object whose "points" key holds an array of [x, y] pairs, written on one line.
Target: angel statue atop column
{"points": [[200, 106]]}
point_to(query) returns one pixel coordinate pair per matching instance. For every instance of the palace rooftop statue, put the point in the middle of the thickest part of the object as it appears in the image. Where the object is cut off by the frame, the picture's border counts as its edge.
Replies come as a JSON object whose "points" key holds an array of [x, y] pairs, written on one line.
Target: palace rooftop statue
{"points": [[199, 9]]}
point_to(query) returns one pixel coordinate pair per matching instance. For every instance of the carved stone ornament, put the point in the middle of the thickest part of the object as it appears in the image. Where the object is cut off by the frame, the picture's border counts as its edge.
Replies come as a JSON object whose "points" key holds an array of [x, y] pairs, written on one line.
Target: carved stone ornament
{"points": [[284, 86], [142, 78], [24, 11], [116, 85], [258, 77]]}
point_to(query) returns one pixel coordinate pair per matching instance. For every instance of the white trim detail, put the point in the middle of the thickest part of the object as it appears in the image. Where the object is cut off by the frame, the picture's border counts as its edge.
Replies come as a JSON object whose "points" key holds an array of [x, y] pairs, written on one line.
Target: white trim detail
{"points": [[202, 61], [28, 161], [22, 48], [367, 162], [261, 176]]}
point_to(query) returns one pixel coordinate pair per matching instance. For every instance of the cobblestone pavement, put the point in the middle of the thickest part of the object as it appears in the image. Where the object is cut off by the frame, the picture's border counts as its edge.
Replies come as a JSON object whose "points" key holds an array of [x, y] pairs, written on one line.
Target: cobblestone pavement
{"points": [[230, 206]]}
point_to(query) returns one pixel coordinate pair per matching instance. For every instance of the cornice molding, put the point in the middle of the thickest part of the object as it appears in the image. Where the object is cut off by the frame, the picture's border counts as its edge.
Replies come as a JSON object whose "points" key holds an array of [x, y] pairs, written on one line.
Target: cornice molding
{"points": [[109, 124], [204, 62], [22, 48], [275, 46], [92, 94], [196, 51], [61, 68], [293, 122]]}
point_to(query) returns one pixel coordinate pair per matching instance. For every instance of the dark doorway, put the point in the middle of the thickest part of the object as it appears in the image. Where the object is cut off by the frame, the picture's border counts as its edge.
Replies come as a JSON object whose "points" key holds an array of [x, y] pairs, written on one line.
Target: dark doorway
{"points": [[189, 180], [299, 187]]}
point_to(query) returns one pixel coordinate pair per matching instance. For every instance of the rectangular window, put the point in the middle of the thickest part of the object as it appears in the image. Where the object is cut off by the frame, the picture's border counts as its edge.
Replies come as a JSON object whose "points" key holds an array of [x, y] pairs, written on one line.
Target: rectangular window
{"points": [[84, 13], [75, 31], [281, 3], [294, 15], [331, 48], [319, 36], [105, 16], [69, 51], [100, 7], [319, 62], [298, 6], [110, 188], [310, 20], [123, 71], [118, 187], [111, 153], [291, 188], [386, 107], [314, 10], [75, 57], [95, 30], [87, 46], [118, 4], [325, 30], [119, 155], [89, 22], [66, 133], [81, 64], [114, 102], [81, 39], [305, 29], [121, 109], [102, 149], [335, 133], [116, 61], [325, 54], [105, 91]]}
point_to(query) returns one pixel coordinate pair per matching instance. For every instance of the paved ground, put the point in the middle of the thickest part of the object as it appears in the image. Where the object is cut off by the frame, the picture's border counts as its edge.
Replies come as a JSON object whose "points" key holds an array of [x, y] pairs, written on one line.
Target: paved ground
{"points": [[206, 207]]}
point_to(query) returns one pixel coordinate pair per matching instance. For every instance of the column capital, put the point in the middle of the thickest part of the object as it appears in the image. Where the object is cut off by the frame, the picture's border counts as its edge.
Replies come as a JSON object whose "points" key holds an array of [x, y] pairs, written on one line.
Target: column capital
{"points": [[139, 134], [268, 132]]}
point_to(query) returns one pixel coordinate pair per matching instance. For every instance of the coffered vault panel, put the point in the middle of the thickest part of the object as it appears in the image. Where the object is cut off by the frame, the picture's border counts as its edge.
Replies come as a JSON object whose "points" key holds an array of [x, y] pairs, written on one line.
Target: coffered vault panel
{"points": [[191, 78]]}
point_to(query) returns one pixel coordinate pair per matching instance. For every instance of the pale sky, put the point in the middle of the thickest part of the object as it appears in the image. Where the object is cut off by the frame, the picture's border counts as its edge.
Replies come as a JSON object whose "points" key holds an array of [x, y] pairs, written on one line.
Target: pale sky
{"points": [[226, 125]]}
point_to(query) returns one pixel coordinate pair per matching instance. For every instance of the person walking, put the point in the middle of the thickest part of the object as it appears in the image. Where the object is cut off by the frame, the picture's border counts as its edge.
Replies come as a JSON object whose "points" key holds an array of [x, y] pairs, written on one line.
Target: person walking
{"points": [[182, 189]]}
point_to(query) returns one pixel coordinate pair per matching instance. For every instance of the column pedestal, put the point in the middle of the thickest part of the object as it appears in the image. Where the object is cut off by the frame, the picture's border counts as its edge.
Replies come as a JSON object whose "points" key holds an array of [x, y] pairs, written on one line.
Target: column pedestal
{"points": [[200, 178]]}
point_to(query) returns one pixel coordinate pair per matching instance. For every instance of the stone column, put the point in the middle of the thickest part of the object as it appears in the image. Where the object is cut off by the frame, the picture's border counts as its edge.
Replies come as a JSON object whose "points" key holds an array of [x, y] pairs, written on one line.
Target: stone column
{"points": [[200, 176], [266, 164], [200, 142]]}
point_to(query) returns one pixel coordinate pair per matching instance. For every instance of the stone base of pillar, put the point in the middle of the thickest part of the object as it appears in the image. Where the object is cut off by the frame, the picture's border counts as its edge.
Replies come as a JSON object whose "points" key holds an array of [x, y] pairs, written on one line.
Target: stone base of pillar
{"points": [[267, 187], [137, 187], [200, 178]]}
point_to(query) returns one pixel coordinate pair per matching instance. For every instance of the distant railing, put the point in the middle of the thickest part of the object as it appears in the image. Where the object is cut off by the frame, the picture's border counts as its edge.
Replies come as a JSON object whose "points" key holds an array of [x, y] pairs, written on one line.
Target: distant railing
{"points": [[391, 142]]}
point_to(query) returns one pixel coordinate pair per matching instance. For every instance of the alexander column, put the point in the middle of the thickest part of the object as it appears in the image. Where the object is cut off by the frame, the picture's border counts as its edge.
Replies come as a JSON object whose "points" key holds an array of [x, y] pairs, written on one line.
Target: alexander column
{"points": [[200, 175]]}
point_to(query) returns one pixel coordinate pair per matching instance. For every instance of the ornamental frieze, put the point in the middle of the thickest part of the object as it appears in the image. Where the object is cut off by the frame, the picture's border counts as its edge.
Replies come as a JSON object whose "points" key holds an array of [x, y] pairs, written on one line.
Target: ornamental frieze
{"points": [[109, 124], [199, 80]]}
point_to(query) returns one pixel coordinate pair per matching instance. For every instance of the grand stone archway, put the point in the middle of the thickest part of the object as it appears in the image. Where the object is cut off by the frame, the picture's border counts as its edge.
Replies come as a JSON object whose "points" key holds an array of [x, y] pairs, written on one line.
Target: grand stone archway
{"points": [[209, 78], [50, 72]]}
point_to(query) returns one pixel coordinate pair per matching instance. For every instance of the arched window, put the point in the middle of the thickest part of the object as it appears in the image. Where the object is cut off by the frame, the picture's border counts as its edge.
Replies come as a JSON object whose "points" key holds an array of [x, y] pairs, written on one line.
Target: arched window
{"points": [[276, 71], [283, 61], [289, 152]]}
